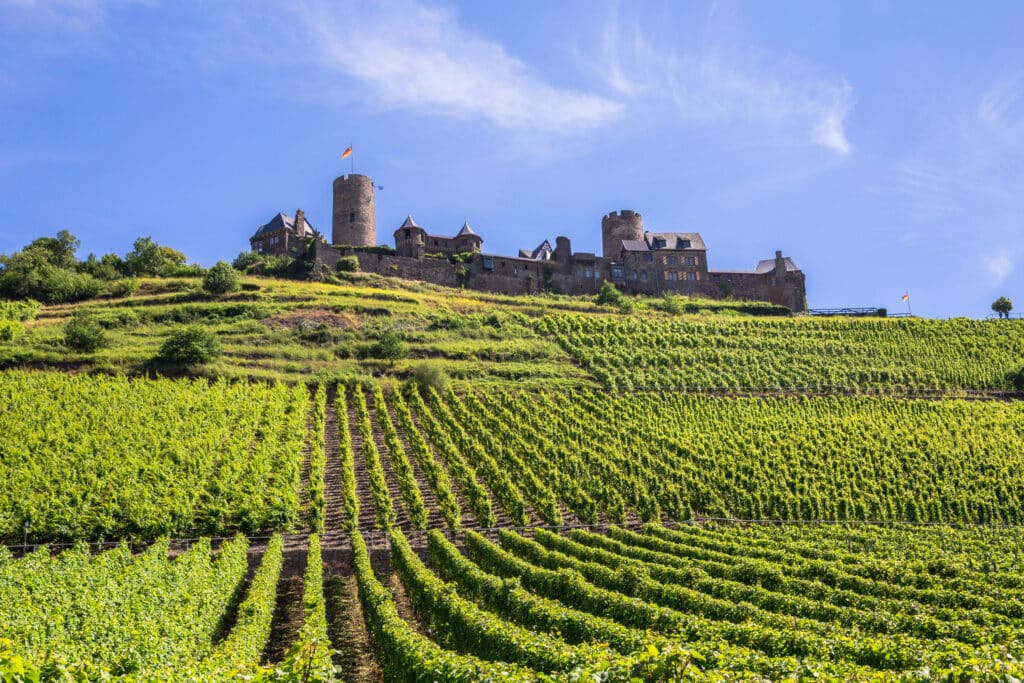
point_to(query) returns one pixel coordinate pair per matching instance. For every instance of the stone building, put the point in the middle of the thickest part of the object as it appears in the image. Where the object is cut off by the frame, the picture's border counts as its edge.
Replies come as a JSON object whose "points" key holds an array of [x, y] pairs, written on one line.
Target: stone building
{"points": [[283, 234], [633, 259]]}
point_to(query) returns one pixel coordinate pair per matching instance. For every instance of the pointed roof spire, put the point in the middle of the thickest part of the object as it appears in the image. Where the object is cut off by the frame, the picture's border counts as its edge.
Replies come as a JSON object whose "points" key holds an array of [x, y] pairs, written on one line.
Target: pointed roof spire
{"points": [[466, 230], [409, 222]]}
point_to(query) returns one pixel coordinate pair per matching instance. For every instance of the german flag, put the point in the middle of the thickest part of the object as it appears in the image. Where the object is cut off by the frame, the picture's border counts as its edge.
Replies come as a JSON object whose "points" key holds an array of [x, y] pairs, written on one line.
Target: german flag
{"points": [[347, 153], [905, 297]]}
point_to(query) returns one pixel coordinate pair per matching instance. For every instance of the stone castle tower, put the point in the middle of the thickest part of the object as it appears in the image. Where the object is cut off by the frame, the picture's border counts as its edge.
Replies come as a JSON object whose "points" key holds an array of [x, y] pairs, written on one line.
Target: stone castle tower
{"points": [[354, 221], [618, 226]]}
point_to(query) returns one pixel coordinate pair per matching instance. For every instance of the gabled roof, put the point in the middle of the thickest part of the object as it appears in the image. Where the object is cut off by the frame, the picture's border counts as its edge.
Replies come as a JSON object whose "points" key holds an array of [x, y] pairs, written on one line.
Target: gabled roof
{"points": [[768, 265], [284, 222], [466, 231], [541, 253], [674, 240]]}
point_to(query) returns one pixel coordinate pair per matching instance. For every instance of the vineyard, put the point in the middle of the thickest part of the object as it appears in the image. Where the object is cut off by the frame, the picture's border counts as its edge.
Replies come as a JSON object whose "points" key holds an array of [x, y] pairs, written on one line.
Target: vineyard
{"points": [[590, 496], [633, 353], [423, 534]]}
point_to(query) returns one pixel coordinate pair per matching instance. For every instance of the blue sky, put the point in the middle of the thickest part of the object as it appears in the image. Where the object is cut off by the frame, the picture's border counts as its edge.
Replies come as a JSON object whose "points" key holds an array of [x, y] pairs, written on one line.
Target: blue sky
{"points": [[879, 144]]}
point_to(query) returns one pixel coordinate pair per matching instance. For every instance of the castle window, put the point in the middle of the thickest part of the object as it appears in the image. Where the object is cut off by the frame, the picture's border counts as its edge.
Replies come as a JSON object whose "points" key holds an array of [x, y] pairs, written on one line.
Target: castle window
{"points": [[643, 275], [670, 260], [488, 263], [648, 258], [259, 247], [351, 216], [691, 276], [671, 275], [632, 275], [587, 272], [684, 244], [690, 260], [618, 273], [659, 243]]}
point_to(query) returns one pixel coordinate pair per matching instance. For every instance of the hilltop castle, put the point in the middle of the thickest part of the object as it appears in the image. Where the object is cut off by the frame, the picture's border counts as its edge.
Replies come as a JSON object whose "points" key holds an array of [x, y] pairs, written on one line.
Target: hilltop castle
{"points": [[633, 259]]}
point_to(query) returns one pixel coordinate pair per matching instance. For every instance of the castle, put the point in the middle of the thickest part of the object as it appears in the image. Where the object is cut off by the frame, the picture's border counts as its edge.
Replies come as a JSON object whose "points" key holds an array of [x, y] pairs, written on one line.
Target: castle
{"points": [[634, 260]]}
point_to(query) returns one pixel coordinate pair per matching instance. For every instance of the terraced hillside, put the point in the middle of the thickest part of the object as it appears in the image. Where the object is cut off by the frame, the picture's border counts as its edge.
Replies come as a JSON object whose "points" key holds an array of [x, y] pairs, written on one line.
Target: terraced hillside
{"points": [[699, 496]]}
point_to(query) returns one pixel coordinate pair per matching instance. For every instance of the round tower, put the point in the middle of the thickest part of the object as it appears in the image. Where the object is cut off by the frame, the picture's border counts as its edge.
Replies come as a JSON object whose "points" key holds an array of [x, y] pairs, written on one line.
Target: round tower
{"points": [[353, 221], [618, 226]]}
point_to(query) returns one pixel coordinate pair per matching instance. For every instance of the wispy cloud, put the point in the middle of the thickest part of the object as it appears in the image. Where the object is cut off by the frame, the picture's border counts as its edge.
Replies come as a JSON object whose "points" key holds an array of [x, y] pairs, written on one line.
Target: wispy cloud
{"points": [[722, 81], [410, 56], [998, 264]]}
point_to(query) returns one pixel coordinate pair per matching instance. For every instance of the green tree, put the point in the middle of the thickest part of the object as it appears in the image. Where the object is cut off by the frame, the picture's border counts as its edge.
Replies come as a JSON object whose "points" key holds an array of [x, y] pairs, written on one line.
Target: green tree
{"points": [[1002, 306], [608, 295], [84, 333], [46, 270], [389, 346], [430, 374], [190, 346], [221, 279], [149, 259]]}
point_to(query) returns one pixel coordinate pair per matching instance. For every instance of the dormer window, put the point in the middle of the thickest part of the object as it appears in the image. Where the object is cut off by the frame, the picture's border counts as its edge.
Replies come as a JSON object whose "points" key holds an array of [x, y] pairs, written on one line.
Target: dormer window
{"points": [[659, 243], [684, 244]]}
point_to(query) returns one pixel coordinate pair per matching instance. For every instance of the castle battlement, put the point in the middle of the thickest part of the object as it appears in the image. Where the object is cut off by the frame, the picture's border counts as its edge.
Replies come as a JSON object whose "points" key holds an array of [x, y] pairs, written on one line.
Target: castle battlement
{"points": [[634, 260]]}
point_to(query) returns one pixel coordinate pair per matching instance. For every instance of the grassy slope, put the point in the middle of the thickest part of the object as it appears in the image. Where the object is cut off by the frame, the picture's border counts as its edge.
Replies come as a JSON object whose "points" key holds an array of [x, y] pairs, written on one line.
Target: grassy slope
{"points": [[479, 337]]}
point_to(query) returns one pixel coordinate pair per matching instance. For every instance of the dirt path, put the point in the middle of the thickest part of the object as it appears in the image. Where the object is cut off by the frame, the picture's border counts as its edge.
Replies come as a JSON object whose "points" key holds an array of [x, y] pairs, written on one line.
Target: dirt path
{"points": [[367, 514], [288, 613], [403, 520]]}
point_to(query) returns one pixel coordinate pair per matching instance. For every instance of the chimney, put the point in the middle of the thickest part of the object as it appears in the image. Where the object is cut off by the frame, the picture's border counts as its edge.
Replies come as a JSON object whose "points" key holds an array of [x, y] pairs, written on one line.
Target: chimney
{"points": [[300, 218], [780, 265]]}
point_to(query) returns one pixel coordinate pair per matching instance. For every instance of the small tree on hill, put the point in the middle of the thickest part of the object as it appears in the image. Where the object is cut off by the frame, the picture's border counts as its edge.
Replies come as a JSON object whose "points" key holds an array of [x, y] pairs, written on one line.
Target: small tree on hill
{"points": [[221, 279], [389, 346], [1002, 306], [84, 333], [190, 346]]}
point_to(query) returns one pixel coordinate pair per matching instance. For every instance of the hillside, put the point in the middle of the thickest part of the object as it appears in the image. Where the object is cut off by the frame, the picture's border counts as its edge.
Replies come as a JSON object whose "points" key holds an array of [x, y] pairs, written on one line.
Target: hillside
{"points": [[680, 491]]}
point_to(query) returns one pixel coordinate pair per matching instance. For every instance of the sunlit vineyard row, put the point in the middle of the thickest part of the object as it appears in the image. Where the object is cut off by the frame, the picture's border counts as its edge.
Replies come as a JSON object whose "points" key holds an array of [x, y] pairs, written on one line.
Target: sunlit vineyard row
{"points": [[632, 353], [87, 457]]}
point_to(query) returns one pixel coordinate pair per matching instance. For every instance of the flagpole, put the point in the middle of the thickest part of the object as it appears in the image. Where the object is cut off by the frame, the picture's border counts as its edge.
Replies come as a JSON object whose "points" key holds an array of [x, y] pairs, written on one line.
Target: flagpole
{"points": [[352, 160], [909, 312]]}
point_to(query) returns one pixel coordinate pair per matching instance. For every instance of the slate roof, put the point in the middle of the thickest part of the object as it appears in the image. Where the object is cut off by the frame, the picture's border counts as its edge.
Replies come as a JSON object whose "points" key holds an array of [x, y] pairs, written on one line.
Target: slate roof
{"points": [[635, 245], [675, 240], [466, 230], [768, 265], [409, 223], [283, 222]]}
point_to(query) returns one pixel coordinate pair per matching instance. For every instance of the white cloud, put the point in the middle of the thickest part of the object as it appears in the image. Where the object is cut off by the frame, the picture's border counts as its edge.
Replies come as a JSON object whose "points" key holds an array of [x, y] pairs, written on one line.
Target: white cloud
{"points": [[724, 82], [410, 56], [998, 264]]}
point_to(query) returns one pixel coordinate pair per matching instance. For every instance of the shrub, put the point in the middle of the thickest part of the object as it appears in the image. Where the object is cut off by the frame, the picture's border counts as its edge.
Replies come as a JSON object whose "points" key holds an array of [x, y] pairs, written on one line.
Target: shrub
{"points": [[84, 333], [609, 295], [221, 279], [348, 264], [10, 330], [389, 346], [190, 346], [429, 374], [123, 287], [1017, 379]]}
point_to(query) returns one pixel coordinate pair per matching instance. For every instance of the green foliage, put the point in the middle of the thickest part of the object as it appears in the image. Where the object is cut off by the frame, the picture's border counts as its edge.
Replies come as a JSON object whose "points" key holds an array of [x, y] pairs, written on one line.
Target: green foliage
{"points": [[142, 458], [430, 375], [273, 265], [20, 311], [608, 295], [317, 461], [400, 462], [804, 353], [390, 346], [382, 505], [190, 346], [221, 279], [84, 333], [1002, 306], [10, 330], [149, 259], [348, 264]]}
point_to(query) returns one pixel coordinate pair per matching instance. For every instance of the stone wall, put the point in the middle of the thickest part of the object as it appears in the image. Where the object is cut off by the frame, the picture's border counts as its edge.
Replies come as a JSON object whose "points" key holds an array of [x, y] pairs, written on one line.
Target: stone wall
{"points": [[580, 276]]}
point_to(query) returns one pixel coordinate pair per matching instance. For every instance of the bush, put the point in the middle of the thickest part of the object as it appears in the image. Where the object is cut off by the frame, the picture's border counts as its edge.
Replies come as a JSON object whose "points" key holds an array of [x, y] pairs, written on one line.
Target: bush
{"points": [[389, 346], [1017, 379], [429, 374], [190, 346], [221, 279], [10, 330], [124, 287], [609, 295], [84, 333], [348, 264]]}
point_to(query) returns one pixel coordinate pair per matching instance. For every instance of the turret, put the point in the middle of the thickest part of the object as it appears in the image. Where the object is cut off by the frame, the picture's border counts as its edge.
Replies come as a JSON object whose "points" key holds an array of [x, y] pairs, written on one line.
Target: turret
{"points": [[563, 249], [615, 227], [354, 221]]}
